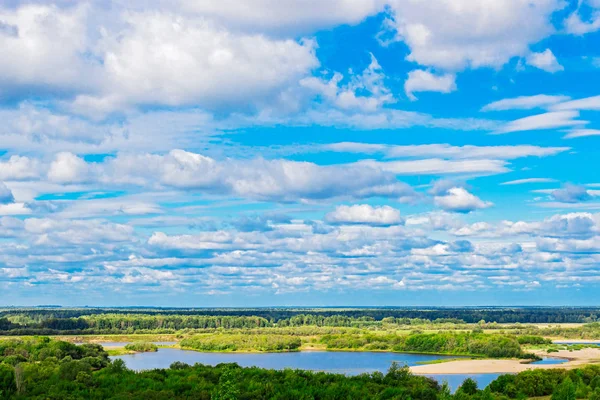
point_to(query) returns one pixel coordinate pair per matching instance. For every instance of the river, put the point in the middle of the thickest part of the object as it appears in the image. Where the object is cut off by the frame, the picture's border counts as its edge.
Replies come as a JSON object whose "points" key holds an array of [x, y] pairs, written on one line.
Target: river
{"points": [[348, 363]]}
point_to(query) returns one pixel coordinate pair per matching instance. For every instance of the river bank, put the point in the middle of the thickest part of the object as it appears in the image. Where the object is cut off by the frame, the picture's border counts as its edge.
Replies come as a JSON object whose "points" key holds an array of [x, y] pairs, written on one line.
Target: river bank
{"points": [[575, 358]]}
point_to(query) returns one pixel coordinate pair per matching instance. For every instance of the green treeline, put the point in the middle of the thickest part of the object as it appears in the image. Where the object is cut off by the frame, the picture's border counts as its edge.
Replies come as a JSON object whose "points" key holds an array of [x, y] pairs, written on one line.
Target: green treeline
{"points": [[24, 324], [526, 315], [476, 344], [49, 369], [454, 343], [241, 342], [587, 331]]}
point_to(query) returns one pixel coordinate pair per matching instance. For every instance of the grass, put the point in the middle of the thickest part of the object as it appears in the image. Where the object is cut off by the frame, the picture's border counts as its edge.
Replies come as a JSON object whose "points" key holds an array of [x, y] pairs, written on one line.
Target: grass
{"points": [[444, 360]]}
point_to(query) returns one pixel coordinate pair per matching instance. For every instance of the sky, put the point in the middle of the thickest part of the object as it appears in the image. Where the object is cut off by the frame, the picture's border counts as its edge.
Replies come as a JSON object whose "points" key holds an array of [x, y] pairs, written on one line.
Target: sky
{"points": [[300, 152]]}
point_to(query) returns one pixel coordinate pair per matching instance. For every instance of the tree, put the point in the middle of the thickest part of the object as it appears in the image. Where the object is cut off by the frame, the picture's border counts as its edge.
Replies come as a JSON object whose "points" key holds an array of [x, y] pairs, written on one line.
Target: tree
{"points": [[228, 386], [565, 391], [469, 386], [7, 380]]}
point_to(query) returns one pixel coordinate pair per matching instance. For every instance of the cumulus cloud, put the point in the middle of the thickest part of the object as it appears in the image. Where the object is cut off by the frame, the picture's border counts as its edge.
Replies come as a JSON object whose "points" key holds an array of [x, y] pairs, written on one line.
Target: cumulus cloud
{"points": [[424, 81], [546, 60], [179, 73], [174, 60], [259, 179], [364, 214], [459, 200], [68, 168], [571, 194], [18, 168], [30, 54], [454, 35]]}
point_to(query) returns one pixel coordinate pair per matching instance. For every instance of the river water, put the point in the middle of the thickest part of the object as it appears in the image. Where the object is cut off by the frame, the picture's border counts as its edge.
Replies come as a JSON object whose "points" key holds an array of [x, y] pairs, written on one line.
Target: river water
{"points": [[348, 363]]}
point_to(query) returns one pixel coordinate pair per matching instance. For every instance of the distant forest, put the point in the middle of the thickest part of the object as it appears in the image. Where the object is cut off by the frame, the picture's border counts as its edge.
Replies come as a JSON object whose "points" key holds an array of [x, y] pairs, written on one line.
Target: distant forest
{"points": [[24, 321]]}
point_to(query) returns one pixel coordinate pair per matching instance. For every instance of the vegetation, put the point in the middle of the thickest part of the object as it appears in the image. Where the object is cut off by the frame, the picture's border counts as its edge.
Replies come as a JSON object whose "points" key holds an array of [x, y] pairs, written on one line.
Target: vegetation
{"points": [[476, 344], [240, 342], [41, 368], [141, 347], [19, 321]]}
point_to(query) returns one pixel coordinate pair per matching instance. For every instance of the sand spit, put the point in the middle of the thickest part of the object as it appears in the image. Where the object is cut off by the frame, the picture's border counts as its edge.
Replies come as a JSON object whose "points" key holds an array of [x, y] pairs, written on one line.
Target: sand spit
{"points": [[576, 358]]}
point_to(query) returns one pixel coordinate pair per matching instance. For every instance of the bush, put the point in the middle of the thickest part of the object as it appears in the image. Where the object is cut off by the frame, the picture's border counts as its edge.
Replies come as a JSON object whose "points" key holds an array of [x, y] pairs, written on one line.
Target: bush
{"points": [[141, 347]]}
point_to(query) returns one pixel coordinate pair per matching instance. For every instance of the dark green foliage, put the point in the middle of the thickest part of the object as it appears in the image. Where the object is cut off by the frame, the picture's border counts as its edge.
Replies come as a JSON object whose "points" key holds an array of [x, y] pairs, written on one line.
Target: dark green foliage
{"points": [[496, 346], [7, 380], [58, 370], [72, 378], [141, 347], [469, 386], [565, 391], [47, 321], [530, 339]]}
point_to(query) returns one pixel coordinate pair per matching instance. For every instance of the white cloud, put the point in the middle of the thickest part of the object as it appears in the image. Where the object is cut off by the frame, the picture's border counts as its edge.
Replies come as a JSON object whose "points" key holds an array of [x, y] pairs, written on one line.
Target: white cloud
{"points": [[354, 147], [374, 93], [447, 151], [436, 166], [161, 58], [68, 168], [545, 61], [32, 57], [292, 17], [456, 34], [459, 200], [588, 103], [571, 194], [576, 25], [78, 232], [14, 209], [364, 214], [120, 58], [577, 133], [525, 102], [18, 168], [473, 152], [424, 81], [549, 120], [529, 180], [274, 180]]}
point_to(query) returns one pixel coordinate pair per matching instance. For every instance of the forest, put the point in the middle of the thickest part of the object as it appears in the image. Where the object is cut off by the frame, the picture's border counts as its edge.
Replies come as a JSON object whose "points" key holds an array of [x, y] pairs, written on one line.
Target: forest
{"points": [[56, 321], [56, 318], [42, 368]]}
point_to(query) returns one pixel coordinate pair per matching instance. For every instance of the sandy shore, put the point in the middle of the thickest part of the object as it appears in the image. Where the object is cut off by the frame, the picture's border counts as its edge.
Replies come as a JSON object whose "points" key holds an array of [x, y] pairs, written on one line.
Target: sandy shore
{"points": [[558, 341], [576, 358]]}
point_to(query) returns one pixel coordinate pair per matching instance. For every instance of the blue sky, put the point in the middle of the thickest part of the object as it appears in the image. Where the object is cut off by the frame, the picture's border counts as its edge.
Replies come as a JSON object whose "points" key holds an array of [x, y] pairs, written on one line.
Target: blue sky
{"points": [[300, 153]]}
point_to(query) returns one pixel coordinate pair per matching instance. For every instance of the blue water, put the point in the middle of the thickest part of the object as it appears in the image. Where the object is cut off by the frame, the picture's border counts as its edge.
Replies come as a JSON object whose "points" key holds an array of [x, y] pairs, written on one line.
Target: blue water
{"points": [[455, 380], [348, 363], [550, 361], [572, 343]]}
